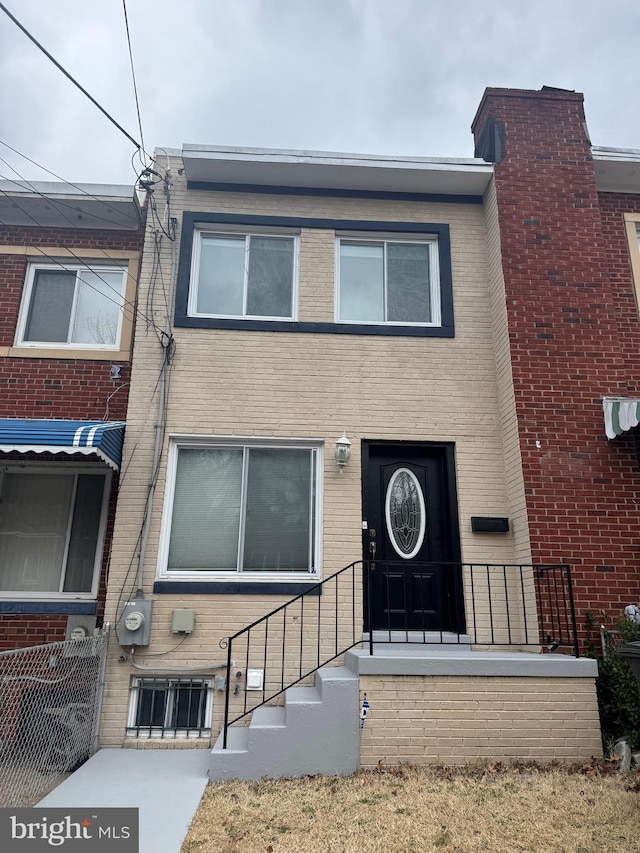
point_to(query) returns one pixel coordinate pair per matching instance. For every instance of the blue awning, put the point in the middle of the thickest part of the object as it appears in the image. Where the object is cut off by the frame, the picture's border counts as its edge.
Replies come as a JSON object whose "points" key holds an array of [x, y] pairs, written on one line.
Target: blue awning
{"points": [[91, 438]]}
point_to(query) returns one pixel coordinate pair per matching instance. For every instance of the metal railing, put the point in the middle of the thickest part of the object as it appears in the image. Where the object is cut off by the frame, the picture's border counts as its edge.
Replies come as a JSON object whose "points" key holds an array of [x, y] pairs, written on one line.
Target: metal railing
{"points": [[510, 605], [294, 640], [50, 698], [488, 604]]}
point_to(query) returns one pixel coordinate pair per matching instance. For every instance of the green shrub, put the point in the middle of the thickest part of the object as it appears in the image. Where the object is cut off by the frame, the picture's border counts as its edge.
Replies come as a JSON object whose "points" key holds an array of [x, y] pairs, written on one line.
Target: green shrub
{"points": [[618, 698]]}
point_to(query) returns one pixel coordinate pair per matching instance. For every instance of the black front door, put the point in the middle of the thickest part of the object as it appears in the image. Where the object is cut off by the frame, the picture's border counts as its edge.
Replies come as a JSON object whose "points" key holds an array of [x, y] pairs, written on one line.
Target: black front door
{"points": [[410, 537]]}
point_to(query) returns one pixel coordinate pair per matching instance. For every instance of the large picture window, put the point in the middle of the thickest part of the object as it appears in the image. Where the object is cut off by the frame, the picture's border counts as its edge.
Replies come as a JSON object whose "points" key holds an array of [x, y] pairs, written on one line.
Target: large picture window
{"points": [[72, 306], [394, 282], [242, 509], [243, 275], [51, 529]]}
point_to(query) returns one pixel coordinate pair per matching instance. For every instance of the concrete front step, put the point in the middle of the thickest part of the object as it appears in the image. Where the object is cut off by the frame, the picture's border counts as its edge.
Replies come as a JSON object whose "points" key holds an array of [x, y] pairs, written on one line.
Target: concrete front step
{"points": [[316, 731]]}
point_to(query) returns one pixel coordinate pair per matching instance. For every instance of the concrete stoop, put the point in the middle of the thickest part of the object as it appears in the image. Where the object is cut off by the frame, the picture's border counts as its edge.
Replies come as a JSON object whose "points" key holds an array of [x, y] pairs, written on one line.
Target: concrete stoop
{"points": [[316, 731]]}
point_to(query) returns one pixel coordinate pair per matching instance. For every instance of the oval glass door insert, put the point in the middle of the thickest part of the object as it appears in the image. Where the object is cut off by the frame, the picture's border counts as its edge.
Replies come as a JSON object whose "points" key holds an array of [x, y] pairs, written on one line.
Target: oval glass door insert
{"points": [[405, 513]]}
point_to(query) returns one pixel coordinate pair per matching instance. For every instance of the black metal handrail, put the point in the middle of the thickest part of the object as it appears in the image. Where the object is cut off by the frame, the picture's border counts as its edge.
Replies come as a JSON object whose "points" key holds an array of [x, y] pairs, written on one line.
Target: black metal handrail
{"points": [[506, 605], [314, 612]]}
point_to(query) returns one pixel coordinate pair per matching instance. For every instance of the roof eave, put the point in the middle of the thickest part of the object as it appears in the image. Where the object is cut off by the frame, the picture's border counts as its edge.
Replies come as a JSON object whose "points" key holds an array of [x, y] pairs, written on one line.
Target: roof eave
{"points": [[334, 171]]}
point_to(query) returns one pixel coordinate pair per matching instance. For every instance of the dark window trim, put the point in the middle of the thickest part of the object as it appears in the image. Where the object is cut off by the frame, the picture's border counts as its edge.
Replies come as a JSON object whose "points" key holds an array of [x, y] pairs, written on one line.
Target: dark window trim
{"points": [[191, 219], [328, 192], [235, 588], [61, 607]]}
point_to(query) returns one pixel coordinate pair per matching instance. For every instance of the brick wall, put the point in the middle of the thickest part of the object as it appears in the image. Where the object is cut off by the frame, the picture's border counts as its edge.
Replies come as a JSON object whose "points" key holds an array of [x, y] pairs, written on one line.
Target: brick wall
{"points": [[314, 386], [17, 631], [573, 340], [456, 720], [73, 388]]}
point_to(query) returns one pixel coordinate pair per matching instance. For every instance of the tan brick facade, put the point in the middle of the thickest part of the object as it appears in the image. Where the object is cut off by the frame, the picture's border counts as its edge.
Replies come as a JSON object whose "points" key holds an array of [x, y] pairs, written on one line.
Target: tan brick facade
{"points": [[459, 720], [307, 385]]}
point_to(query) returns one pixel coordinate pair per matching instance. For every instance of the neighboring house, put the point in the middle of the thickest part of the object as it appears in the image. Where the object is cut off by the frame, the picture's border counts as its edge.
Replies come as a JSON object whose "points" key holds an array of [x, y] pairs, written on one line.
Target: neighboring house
{"points": [[69, 258], [377, 405]]}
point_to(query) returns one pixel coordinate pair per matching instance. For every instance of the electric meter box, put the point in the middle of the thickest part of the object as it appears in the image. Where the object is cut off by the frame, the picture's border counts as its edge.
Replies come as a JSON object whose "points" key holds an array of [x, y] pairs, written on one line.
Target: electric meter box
{"points": [[134, 625]]}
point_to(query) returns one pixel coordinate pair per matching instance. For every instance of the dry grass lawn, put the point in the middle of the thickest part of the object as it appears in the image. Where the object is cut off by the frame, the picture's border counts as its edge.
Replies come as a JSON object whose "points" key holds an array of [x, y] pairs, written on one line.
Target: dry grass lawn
{"points": [[419, 810]]}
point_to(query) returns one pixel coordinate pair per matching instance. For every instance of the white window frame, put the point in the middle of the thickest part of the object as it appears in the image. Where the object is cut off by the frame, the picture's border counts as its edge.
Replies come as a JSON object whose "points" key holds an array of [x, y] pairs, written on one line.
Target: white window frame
{"points": [[89, 266], [384, 238], [247, 233], [168, 731], [48, 595], [201, 442]]}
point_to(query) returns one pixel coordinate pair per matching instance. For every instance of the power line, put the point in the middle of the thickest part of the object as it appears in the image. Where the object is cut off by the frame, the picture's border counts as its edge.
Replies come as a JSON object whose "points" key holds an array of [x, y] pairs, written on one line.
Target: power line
{"points": [[116, 261], [68, 183], [121, 303], [133, 73], [68, 76]]}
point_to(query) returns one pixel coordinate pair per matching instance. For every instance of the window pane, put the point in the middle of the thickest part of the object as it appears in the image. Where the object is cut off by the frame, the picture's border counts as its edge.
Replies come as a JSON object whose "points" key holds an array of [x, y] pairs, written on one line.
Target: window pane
{"points": [[152, 701], [408, 294], [221, 276], [277, 532], [270, 277], [189, 706], [34, 515], [51, 304], [84, 533], [206, 509], [361, 283], [98, 308]]}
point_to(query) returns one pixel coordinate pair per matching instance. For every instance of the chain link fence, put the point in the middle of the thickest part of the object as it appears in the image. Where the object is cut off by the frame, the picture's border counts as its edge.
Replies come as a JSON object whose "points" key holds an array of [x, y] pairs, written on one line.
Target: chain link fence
{"points": [[50, 698]]}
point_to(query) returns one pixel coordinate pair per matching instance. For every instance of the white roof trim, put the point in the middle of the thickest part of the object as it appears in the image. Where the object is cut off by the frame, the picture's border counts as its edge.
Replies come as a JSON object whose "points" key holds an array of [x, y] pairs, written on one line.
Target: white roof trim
{"points": [[326, 170]]}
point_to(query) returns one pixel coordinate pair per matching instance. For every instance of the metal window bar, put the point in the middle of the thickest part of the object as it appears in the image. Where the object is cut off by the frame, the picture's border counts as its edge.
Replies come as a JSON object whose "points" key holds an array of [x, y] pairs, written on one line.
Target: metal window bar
{"points": [[169, 707]]}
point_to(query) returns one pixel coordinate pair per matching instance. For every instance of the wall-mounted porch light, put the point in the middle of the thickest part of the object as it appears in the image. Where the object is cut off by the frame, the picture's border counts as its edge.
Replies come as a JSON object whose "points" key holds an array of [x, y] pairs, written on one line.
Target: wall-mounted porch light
{"points": [[342, 453]]}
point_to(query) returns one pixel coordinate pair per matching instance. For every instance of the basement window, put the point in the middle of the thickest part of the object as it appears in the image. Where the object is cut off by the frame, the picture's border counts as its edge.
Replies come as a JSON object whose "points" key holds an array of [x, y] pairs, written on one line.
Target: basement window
{"points": [[170, 707]]}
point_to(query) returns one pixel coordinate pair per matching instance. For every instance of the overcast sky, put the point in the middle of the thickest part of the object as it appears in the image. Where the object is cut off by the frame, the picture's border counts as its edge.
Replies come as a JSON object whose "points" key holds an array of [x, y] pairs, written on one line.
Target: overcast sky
{"points": [[375, 76]]}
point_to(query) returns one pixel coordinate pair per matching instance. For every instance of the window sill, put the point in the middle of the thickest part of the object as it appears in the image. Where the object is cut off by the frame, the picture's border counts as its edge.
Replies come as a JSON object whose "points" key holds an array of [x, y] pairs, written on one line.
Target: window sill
{"points": [[163, 734], [61, 607], [317, 328], [291, 588], [64, 353]]}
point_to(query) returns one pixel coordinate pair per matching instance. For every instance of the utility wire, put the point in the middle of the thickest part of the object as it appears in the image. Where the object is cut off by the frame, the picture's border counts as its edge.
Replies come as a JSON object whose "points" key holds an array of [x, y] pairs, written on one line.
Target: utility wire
{"points": [[72, 79], [115, 261], [133, 73], [68, 183], [121, 303], [60, 204]]}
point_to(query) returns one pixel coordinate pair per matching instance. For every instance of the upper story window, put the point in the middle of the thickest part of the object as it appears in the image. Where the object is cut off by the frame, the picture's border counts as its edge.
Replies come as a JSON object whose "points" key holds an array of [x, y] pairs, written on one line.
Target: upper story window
{"points": [[72, 306], [240, 272], [632, 224], [388, 281], [243, 275]]}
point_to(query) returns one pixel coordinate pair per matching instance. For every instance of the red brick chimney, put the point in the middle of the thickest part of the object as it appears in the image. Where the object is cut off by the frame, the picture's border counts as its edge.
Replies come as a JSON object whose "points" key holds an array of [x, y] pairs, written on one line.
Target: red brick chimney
{"points": [[581, 490]]}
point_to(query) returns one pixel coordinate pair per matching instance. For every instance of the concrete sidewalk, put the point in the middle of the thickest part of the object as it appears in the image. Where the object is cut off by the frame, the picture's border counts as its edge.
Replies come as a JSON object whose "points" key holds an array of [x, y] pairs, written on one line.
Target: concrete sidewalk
{"points": [[165, 784]]}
